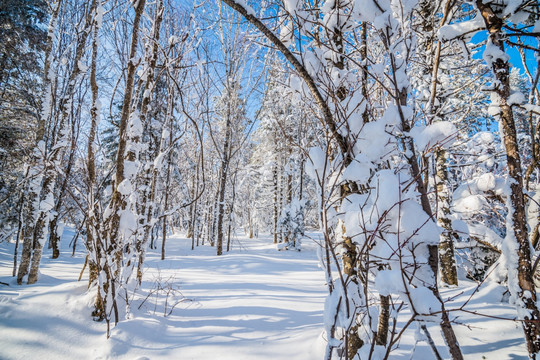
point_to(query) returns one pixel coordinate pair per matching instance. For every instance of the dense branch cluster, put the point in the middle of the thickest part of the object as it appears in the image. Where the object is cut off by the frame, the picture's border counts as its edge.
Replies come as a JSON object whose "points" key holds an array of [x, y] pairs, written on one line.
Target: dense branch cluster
{"points": [[405, 131]]}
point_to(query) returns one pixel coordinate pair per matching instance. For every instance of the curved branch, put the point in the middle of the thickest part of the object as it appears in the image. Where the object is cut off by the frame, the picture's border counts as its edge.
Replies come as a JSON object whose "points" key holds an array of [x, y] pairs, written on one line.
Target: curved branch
{"points": [[342, 141]]}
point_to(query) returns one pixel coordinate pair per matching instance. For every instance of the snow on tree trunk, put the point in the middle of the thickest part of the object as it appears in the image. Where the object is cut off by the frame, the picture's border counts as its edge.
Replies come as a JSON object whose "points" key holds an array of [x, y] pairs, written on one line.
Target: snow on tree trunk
{"points": [[400, 84], [35, 173], [30, 210], [150, 172], [275, 202], [119, 223], [447, 261], [55, 228], [52, 161], [446, 246], [516, 247], [93, 208]]}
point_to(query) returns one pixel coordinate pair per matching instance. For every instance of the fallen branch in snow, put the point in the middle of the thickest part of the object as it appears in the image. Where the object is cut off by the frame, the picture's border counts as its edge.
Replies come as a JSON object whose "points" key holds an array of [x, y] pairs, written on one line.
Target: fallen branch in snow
{"points": [[169, 290]]}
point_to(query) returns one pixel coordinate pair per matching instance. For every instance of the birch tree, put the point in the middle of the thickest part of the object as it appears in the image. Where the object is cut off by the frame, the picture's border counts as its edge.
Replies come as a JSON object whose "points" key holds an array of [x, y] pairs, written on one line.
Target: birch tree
{"points": [[38, 223], [115, 230], [326, 74]]}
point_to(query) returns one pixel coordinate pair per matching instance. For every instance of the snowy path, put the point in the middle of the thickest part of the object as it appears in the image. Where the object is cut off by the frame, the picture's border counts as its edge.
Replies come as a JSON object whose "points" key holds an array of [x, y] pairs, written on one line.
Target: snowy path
{"points": [[253, 303]]}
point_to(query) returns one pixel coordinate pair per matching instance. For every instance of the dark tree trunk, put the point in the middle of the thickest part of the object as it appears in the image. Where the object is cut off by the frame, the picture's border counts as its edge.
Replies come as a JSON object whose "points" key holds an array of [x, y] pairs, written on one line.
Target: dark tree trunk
{"points": [[527, 291], [275, 203], [225, 159]]}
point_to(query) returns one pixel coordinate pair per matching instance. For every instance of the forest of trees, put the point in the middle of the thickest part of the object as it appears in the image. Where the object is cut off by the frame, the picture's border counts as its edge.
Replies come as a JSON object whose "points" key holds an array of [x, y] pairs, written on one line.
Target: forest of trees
{"points": [[406, 131]]}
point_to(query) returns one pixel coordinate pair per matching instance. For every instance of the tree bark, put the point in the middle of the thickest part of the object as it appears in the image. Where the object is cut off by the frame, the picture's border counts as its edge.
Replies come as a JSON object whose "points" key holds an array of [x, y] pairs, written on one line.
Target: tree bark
{"points": [[446, 245], [54, 237], [113, 244], [384, 317], [223, 183], [150, 173], [51, 161], [275, 202], [93, 209], [517, 214], [166, 199], [446, 327], [35, 174]]}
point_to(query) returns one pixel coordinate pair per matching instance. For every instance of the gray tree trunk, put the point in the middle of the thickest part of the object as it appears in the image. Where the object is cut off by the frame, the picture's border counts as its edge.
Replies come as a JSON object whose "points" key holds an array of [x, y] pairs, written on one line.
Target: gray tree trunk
{"points": [[446, 246], [225, 159], [527, 291]]}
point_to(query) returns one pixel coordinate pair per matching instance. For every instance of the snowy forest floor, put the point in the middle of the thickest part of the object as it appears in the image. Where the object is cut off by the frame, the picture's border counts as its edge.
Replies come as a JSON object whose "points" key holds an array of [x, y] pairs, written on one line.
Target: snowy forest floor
{"points": [[252, 303]]}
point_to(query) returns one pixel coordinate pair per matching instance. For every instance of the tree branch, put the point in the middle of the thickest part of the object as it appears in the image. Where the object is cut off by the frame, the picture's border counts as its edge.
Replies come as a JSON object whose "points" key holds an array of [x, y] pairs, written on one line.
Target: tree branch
{"points": [[343, 143]]}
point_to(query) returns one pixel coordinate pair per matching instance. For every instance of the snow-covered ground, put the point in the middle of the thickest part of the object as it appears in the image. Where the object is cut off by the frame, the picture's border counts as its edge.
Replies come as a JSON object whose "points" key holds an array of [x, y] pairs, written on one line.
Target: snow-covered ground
{"points": [[252, 303]]}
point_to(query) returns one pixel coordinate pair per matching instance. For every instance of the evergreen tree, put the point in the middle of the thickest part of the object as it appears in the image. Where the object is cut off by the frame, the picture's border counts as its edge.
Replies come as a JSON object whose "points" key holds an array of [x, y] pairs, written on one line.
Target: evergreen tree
{"points": [[23, 43]]}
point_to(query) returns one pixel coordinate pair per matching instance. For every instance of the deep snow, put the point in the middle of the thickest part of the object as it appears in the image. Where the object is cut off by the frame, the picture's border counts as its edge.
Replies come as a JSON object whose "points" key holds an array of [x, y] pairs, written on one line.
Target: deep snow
{"points": [[252, 303]]}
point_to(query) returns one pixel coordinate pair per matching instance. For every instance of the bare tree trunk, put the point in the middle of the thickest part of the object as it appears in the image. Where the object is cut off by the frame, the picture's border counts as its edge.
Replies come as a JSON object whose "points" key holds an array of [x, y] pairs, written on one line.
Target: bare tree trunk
{"points": [[523, 273], [231, 208], [194, 212], [19, 230], [384, 317], [446, 246], [189, 233], [207, 224], [225, 159], [288, 234], [93, 208], [276, 190], [446, 327], [250, 224], [57, 152], [112, 241], [54, 237], [166, 199], [448, 268], [151, 173], [213, 224], [35, 173]]}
